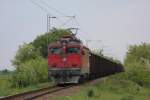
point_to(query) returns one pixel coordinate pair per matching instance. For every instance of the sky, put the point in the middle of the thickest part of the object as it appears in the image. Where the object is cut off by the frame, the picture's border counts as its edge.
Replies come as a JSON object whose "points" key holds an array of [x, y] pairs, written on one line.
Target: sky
{"points": [[115, 23]]}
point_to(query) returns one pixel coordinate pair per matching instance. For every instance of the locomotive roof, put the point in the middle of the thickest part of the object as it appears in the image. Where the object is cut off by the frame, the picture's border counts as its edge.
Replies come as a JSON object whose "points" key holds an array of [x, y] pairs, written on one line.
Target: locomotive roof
{"points": [[71, 37], [67, 39], [55, 44]]}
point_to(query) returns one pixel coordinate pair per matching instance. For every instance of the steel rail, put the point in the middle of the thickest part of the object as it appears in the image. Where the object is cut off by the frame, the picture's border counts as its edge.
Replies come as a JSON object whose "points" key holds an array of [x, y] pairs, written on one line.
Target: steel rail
{"points": [[34, 94]]}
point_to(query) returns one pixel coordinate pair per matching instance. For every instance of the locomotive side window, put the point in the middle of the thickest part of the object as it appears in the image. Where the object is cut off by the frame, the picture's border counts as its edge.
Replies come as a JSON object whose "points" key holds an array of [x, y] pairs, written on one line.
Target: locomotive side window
{"points": [[55, 50], [73, 50]]}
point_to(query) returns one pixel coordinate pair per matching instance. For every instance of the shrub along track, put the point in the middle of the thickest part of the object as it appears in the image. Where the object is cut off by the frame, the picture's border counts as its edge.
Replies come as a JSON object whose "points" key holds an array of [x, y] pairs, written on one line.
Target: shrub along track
{"points": [[48, 93]]}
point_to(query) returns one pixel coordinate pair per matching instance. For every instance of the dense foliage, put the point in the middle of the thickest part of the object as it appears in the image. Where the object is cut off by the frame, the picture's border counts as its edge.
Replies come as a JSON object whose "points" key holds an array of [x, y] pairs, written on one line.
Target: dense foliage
{"points": [[137, 64], [42, 41], [25, 53], [31, 59], [31, 72]]}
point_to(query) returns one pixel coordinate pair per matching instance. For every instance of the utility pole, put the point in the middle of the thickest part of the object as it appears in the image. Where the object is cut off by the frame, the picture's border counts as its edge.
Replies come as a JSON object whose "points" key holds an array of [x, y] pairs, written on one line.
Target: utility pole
{"points": [[49, 26], [49, 21]]}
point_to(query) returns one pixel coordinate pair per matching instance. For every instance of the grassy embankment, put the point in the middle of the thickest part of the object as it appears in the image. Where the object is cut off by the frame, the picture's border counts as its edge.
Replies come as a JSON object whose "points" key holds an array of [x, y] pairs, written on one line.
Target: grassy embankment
{"points": [[112, 88], [6, 87]]}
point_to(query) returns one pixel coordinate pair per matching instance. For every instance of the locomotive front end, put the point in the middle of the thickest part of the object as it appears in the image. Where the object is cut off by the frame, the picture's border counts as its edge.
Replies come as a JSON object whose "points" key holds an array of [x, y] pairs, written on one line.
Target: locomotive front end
{"points": [[65, 61]]}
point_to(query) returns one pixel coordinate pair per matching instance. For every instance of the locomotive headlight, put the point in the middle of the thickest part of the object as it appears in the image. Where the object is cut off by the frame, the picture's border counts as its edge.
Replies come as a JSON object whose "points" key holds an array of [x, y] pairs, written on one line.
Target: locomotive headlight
{"points": [[64, 59]]}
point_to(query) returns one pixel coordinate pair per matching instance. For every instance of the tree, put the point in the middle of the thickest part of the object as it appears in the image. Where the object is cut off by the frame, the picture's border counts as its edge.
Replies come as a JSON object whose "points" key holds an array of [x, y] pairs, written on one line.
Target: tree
{"points": [[30, 60], [25, 52], [5, 71], [30, 72], [38, 47], [42, 41], [137, 63]]}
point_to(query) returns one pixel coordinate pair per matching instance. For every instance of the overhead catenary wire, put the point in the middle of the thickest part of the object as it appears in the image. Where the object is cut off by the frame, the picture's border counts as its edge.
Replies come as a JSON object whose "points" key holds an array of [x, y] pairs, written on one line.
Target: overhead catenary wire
{"points": [[86, 35], [58, 12], [82, 30], [42, 8], [66, 22], [52, 8], [47, 7], [63, 24]]}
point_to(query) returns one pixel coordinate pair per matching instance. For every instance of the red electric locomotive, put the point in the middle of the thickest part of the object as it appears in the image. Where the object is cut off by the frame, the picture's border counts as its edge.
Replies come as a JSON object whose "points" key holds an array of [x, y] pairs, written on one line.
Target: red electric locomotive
{"points": [[71, 62], [65, 60]]}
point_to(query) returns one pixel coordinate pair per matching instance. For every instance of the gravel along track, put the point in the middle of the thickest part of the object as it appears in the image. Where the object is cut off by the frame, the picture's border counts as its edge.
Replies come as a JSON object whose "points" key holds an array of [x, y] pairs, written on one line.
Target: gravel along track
{"points": [[68, 91]]}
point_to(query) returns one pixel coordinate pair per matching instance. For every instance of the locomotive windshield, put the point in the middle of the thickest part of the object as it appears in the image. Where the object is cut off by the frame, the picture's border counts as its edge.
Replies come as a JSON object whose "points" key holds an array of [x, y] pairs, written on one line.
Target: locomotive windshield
{"points": [[56, 50], [73, 50]]}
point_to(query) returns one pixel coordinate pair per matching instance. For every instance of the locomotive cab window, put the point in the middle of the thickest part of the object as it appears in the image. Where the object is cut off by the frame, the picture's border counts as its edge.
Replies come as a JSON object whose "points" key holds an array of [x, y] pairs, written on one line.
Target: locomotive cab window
{"points": [[73, 50], [55, 50]]}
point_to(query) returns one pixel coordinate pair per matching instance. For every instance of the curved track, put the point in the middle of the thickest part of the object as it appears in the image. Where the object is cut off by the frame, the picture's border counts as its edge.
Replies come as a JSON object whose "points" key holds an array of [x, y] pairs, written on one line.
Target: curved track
{"points": [[40, 94], [35, 94]]}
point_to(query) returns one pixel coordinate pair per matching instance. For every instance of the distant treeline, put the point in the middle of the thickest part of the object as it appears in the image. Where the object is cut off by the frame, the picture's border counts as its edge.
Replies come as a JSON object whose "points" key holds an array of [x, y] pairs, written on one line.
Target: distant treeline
{"points": [[5, 71]]}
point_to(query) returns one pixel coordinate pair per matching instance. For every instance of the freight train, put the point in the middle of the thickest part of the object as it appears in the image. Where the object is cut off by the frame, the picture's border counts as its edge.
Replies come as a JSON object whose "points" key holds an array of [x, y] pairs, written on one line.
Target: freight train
{"points": [[69, 61]]}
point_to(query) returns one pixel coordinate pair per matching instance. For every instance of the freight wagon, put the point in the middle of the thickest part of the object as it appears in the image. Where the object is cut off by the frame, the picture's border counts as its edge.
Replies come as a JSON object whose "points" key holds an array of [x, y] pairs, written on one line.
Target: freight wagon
{"points": [[69, 61], [100, 66]]}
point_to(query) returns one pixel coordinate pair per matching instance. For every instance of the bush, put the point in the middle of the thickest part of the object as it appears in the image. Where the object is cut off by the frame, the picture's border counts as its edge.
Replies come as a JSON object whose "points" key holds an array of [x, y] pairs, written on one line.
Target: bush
{"points": [[139, 74], [25, 53], [41, 42], [90, 93], [31, 59], [137, 64], [31, 72]]}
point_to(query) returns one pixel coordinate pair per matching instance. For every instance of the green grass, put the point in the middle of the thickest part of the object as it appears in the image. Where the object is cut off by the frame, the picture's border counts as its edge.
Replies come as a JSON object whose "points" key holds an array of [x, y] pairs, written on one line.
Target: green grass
{"points": [[12, 91], [4, 84], [7, 89], [111, 89]]}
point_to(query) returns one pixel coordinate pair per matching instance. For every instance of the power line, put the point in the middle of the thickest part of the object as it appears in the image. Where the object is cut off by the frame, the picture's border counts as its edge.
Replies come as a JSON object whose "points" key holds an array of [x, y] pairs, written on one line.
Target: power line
{"points": [[49, 16], [66, 22], [77, 22], [52, 8], [64, 15], [57, 11], [42, 8]]}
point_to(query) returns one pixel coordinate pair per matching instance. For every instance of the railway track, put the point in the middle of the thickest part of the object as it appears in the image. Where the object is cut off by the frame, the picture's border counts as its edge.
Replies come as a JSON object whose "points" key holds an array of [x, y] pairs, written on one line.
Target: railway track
{"points": [[35, 93], [38, 94]]}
